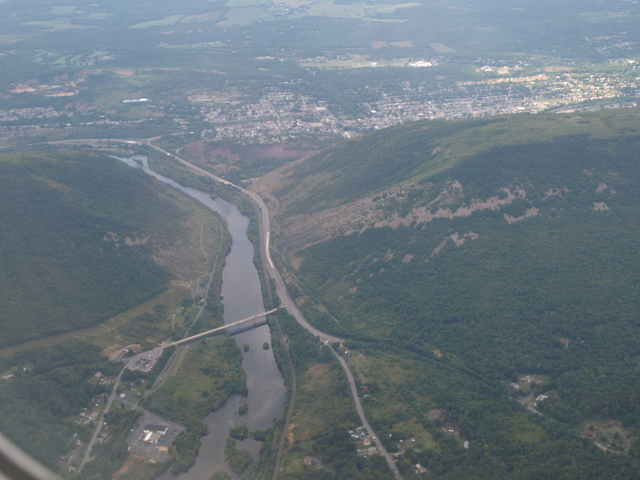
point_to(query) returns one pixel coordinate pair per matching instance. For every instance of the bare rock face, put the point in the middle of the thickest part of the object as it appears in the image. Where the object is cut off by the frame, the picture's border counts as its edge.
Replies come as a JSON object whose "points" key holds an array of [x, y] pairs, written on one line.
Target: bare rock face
{"points": [[388, 209]]}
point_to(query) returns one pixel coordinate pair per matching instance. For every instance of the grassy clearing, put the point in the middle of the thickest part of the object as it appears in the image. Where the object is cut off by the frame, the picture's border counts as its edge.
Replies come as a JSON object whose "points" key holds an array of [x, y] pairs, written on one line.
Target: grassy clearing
{"points": [[607, 431], [386, 20], [248, 3], [58, 23], [381, 375], [136, 468], [98, 15], [322, 403], [170, 20], [524, 430], [423, 438], [243, 16], [61, 60], [403, 44], [332, 10], [62, 10], [315, 399], [202, 377], [6, 39], [441, 48], [203, 17]]}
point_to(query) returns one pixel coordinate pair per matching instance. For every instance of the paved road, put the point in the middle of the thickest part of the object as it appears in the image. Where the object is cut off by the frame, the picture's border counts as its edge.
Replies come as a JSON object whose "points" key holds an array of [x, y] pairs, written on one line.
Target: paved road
{"points": [[282, 291], [290, 306], [87, 454], [524, 401], [266, 244], [280, 287], [164, 374], [363, 418]]}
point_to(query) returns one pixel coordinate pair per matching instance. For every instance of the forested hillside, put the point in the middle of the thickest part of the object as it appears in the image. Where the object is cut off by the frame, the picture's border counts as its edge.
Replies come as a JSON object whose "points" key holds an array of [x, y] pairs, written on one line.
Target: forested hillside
{"points": [[471, 259], [361, 182], [79, 239]]}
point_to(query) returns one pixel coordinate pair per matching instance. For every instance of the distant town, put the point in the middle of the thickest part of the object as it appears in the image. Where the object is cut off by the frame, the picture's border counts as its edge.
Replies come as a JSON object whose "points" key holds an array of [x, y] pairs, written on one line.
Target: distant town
{"points": [[282, 115]]}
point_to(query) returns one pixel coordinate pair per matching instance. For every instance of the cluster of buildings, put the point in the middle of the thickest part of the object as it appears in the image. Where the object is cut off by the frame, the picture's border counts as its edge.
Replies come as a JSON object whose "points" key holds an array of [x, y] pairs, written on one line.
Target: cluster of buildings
{"points": [[360, 434], [102, 380], [153, 433], [281, 116], [85, 418], [579, 87], [135, 100], [144, 362], [394, 111], [277, 117], [16, 114]]}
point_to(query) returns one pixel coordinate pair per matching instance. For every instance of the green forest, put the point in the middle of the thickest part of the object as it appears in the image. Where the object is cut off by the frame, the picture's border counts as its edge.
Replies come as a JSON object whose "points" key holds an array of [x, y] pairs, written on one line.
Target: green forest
{"points": [[49, 388], [543, 284], [79, 234], [378, 162]]}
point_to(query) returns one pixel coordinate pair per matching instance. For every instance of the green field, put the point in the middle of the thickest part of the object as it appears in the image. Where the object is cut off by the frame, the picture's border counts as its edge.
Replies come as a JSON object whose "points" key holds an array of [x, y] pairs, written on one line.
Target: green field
{"points": [[334, 10], [170, 20], [248, 3], [62, 10], [243, 16], [98, 16], [202, 377], [203, 17], [59, 23]]}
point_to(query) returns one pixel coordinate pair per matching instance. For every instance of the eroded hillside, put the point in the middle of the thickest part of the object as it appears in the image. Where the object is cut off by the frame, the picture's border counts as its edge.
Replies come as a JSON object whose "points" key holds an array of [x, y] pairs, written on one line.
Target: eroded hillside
{"points": [[416, 174], [499, 262]]}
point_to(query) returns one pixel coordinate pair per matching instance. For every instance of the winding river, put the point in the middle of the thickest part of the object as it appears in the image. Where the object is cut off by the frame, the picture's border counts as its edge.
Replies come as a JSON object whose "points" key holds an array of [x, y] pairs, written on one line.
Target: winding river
{"points": [[242, 298]]}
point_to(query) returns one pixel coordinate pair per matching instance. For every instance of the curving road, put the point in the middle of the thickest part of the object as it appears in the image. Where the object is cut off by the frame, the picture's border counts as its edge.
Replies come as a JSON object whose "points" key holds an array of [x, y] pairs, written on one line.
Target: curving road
{"points": [[280, 286], [288, 302], [363, 418], [87, 454]]}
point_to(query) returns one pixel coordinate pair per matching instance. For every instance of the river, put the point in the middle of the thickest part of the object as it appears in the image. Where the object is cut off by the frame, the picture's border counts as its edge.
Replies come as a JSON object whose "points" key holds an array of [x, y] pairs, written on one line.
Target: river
{"points": [[242, 298]]}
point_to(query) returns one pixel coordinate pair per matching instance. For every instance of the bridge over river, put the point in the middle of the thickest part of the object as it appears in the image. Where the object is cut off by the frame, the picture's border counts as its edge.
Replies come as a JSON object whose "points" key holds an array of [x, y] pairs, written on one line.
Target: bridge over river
{"points": [[145, 361], [224, 327]]}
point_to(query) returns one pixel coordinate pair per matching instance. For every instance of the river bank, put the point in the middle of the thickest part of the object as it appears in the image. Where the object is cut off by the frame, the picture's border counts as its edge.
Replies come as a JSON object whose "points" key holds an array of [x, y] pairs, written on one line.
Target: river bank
{"points": [[242, 297]]}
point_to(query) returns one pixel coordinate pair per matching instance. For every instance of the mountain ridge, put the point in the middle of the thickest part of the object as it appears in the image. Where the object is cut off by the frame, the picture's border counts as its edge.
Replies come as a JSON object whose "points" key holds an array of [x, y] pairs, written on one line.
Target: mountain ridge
{"points": [[300, 183], [85, 237], [518, 260]]}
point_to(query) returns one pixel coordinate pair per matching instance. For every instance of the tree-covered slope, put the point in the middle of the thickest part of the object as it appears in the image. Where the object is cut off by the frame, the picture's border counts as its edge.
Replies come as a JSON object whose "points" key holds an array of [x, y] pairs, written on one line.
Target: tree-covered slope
{"points": [[77, 243], [360, 182], [520, 256]]}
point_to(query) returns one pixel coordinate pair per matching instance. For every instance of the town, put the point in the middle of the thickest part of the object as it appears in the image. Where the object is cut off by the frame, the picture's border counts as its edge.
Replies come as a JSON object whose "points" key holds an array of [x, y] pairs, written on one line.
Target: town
{"points": [[284, 115]]}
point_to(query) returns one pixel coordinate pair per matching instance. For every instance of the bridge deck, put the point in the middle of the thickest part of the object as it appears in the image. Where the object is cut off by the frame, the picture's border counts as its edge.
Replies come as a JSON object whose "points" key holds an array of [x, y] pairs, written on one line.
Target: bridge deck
{"points": [[224, 327]]}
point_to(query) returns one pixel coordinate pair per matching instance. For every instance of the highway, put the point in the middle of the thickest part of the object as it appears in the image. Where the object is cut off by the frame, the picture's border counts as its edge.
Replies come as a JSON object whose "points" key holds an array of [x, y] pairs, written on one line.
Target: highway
{"points": [[290, 305], [281, 290], [363, 418], [266, 245]]}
